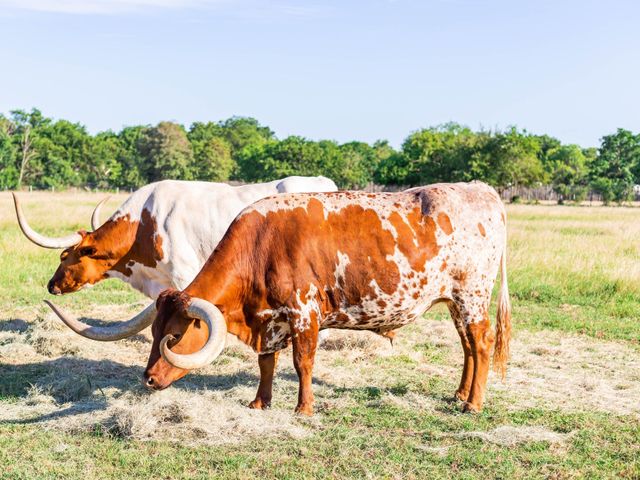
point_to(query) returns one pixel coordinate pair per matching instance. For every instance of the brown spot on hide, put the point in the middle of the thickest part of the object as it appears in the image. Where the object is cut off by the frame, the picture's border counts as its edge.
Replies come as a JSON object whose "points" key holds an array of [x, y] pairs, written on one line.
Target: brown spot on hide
{"points": [[460, 276], [147, 245], [482, 230], [445, 223], [421, 230]]}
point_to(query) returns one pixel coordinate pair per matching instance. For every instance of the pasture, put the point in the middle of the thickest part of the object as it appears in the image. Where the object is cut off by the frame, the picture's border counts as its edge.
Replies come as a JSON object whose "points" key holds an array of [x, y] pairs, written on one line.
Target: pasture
{"points": [[569, 407]]}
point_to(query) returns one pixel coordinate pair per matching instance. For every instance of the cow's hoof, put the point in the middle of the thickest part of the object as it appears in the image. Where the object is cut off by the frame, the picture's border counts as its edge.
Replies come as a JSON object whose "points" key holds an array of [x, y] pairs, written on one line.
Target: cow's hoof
{"points": [[259, 404], [306, 410], [470, 408]]}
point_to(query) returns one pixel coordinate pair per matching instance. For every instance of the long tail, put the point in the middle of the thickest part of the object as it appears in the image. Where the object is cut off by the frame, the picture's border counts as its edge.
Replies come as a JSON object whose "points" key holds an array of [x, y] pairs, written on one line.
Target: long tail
{"points": [[503, 320]]}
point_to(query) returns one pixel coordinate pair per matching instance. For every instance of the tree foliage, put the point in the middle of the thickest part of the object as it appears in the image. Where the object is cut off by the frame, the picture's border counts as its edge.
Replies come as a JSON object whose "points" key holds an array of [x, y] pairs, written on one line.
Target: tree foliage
{"points": [[43, 152], [615, 170]]}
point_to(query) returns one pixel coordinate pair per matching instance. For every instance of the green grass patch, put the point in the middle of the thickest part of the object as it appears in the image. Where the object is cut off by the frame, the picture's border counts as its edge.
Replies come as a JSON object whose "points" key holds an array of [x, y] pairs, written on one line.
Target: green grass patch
{"points": [[369, 440]]}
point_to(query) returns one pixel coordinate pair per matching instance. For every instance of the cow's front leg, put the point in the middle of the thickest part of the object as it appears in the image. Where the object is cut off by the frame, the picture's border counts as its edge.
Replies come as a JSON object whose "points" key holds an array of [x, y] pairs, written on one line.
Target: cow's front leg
{"points": [[267, 363], [305, 340]]}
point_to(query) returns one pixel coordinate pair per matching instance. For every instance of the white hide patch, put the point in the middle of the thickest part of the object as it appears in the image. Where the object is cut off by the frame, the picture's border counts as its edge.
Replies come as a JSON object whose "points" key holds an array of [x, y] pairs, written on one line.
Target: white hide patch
{"points": [[341, 267], [279, 329]]}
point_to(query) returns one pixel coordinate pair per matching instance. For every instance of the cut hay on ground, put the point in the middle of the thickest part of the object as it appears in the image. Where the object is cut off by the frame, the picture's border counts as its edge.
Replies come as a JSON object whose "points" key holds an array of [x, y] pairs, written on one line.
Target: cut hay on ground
{"points": [[61, 381]]}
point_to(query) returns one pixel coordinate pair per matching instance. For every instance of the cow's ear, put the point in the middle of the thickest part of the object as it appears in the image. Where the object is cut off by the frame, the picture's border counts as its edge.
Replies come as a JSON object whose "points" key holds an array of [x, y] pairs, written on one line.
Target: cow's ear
{"points": [[162, 298], [173, 300], [87, 251]]}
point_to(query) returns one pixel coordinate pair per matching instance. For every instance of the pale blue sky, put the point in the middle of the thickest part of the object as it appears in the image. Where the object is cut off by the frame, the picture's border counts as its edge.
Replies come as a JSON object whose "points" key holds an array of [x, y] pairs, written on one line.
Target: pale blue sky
{"points": [[326, 68]]}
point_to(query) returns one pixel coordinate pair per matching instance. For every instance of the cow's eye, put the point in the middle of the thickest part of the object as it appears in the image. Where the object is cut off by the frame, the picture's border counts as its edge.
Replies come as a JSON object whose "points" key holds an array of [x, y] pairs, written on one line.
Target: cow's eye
{"points": [[87, 251], [175, 338], [63, 255]]}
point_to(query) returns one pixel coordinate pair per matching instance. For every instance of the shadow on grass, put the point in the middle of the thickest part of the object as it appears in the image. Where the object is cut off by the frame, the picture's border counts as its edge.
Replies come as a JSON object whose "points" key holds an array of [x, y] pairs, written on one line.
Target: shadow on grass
{"points": [[17, 325], [82, 384]]}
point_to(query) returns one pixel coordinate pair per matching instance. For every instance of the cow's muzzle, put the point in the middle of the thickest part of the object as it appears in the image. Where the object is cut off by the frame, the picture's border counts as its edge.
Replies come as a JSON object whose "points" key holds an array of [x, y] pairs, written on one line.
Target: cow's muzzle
{"points": [[152, 383], [53, 288]]}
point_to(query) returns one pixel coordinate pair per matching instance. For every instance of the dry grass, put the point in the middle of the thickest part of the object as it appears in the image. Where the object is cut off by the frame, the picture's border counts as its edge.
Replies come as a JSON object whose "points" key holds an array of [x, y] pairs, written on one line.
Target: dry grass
{"points": [[81, 386], [577, 242], [49, 210]]}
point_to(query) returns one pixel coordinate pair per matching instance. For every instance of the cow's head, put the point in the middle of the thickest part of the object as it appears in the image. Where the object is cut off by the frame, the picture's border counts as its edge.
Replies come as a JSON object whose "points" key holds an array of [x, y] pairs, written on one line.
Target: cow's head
{"points": [[87, 257], [188, 333], [82, 264]]}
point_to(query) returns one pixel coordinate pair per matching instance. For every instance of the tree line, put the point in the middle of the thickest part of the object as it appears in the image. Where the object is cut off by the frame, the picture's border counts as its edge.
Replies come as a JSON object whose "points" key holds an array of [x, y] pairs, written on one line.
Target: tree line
{"points": [[43, 153]]}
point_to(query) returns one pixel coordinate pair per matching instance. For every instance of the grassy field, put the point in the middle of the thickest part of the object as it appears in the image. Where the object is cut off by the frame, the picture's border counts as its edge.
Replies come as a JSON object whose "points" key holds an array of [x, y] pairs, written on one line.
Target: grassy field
{"points": [[569, 408]]}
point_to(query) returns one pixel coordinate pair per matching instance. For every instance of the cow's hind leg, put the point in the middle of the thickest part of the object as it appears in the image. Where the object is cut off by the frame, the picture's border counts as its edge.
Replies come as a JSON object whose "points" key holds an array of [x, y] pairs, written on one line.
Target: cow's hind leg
{"points": [[472, 322], [267, 363], [467, 370], [305, 340], [481, 339]]}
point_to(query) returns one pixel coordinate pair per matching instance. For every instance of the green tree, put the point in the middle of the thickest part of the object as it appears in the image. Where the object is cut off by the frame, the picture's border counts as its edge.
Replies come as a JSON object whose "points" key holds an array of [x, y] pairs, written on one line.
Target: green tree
{"points": [[50, 154], [509, 158], [8, 153], [104, 167], [568, 170], [272, 160], [358, 162], [299, 156], [547, 144], [26, 127], [167, 152], [391, 166], [242, 132], [133, 169], [202, 132], [213, 160], [439, 154], [612, 171], [394, 170]]}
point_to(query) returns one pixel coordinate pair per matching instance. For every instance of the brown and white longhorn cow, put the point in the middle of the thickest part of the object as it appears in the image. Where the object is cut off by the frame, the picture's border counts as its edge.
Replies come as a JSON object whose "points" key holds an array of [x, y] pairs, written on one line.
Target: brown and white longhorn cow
{"points": [[159, 238], [292, 265]]}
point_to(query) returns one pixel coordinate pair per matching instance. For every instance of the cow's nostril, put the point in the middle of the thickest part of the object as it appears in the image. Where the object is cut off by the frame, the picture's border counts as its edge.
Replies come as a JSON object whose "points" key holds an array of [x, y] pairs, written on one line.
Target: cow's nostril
{"points": [[53, 289], [149, 382]]}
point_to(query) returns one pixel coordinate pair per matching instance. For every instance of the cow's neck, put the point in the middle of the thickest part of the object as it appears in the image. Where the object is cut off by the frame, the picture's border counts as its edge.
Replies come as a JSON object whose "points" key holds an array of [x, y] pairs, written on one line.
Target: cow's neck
{"points": [[130, 246], [115, 238], [222, 282]]}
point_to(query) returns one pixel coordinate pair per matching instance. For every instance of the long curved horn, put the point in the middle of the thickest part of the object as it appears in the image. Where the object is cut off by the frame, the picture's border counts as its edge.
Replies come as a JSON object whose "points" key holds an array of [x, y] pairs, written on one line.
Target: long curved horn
{"points": [[113, 332], [95, 216], [212, 316], [41, 240]]}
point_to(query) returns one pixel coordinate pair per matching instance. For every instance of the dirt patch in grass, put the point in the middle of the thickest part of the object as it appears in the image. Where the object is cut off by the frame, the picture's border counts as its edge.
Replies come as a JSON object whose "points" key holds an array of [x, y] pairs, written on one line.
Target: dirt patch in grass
{"points": [[56, 379]]}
